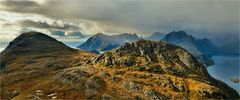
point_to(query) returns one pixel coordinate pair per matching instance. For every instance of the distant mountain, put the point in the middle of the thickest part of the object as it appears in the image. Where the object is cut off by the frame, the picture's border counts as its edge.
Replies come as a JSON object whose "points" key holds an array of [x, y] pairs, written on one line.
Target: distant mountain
{"points": [[200, 48], [196, 46], [230, 46], [155, 36], [203, 49], [102, 42]]}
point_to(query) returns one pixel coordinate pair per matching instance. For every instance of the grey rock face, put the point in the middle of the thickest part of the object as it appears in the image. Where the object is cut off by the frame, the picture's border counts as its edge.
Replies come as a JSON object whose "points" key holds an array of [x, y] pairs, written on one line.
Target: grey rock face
{"points": [[94, 85]]}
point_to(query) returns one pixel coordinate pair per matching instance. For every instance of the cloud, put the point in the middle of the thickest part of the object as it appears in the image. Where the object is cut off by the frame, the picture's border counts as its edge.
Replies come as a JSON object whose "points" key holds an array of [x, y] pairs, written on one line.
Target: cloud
{"points": [[20, 6], [56, 24], [199, 17], [67, 34], [59, 24]]}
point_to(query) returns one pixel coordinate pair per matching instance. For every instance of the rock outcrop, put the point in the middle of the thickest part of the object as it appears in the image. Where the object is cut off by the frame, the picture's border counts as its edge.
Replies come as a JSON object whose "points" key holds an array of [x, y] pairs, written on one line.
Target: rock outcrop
{"points": [[161, 58], [158, 56]]}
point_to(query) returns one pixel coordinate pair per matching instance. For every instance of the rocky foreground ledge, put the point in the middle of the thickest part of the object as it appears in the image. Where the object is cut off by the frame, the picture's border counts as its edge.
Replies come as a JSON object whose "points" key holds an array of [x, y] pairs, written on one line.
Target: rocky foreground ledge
{"points": [[36, 66]]}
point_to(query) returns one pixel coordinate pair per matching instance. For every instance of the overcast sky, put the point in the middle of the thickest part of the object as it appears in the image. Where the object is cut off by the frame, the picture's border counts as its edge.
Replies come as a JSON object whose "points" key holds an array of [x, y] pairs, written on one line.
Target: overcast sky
{"points": [[203, 18]]}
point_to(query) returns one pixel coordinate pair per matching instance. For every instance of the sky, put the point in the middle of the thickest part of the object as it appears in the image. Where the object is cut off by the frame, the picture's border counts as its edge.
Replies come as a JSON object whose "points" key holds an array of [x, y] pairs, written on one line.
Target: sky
{"points": [[215, 19]]}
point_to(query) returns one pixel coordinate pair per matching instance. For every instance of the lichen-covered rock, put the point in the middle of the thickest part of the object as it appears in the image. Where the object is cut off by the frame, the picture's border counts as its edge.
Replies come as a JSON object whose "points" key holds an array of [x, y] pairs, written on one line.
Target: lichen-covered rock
{"points": [[94, 86], [131, 85], [74, 76], [154, 95]]}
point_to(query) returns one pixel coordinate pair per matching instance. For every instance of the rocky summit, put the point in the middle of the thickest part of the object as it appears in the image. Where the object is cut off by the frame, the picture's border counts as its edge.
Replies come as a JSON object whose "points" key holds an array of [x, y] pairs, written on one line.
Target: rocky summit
{"points": [[44, 68]]}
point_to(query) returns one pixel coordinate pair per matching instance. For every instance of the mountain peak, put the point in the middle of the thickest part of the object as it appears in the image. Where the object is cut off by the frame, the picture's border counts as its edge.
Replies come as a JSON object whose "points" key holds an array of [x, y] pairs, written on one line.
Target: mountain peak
{"points": [[34, 35], [178, 34], [31, 39], [129, 34], [178, 37], [126, 36], [99, 34], [32, 42], [202, 49], [156, 36]]}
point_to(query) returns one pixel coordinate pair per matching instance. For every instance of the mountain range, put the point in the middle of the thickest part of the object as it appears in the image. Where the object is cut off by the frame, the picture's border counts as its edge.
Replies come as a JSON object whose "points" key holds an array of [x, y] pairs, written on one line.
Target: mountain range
{"points": [[203, 49], [155, 36], [36, 66], [101, 42]]}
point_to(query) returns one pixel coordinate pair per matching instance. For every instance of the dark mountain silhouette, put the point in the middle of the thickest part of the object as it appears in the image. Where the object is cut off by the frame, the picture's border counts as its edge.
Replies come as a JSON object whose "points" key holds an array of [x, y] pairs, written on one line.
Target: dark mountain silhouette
{"points": [[156, 36], [203, 49], [31, 43]]}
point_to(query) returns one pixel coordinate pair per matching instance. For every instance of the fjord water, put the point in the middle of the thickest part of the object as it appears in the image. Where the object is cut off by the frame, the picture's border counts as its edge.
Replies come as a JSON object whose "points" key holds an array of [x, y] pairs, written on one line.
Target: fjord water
{"points": [[226, 67]]}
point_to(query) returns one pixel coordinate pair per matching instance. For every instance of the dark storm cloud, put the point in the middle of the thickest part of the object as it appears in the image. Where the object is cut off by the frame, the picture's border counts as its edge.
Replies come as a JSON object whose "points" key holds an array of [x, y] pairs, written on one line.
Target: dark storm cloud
{"points": [[46, 25], [13, 4], [20, 6], [201, 17]]}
